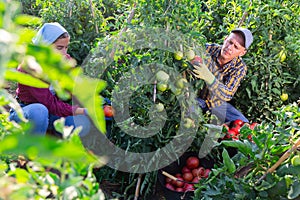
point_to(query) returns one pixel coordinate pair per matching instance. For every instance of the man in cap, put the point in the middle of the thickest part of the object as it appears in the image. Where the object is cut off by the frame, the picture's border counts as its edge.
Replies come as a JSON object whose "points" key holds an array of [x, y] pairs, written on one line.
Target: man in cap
{"points": [[223, 74]]}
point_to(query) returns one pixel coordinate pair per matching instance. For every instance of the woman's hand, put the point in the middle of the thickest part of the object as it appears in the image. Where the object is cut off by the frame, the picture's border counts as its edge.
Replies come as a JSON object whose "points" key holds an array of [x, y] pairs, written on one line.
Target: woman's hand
{"points": [[81, 111]]}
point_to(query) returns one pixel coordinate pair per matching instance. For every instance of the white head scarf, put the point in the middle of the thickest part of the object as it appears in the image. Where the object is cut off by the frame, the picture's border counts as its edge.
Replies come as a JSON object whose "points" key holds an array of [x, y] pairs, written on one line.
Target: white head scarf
{"points": [[48, 33]]}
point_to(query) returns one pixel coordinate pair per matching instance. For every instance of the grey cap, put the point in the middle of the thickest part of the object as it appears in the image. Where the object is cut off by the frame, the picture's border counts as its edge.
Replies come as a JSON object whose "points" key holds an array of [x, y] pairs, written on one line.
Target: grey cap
{"points": [[247, 34]]}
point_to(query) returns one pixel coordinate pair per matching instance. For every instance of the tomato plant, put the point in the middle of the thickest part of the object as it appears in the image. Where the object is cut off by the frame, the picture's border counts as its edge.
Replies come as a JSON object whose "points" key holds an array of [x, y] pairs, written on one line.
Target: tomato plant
{"points": [[273, 70], [242, 173]]}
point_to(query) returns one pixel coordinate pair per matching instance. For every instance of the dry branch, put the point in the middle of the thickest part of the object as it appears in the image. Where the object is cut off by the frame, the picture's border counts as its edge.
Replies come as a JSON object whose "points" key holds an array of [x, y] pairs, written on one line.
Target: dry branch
{"points": [[281, 160]]}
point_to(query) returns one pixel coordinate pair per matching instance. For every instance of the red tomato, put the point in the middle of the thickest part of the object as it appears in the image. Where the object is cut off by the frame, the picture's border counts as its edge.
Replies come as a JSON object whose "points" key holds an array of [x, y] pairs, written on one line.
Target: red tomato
{"points": [[238, 122], [235, 137], [236, 130], [195, 172], [206, 173], [252, 126], [185, 169], [188, 176], [198, 172], [249, 137], [178, 175], [108, 111], [196, 179], [179, 189], [231, 133], [188, 187], [196, 59], [169, 186], [179, 184], [168, 180], [192, 162]]}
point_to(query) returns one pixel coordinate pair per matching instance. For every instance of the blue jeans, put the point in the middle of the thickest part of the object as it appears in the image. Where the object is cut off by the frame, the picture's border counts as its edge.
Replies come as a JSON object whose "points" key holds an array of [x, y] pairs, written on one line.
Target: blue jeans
{"points": [[37, 114], [225, 112]]}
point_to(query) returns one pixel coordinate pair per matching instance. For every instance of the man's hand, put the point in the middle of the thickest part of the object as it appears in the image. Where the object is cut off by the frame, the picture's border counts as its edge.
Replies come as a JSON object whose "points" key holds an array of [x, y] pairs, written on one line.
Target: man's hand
{"points": [[202, 72]]}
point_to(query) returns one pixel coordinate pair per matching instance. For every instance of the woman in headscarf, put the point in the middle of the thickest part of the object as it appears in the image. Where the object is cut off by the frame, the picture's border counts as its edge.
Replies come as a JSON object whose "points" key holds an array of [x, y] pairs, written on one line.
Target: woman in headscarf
{"points": [[40, 105]]}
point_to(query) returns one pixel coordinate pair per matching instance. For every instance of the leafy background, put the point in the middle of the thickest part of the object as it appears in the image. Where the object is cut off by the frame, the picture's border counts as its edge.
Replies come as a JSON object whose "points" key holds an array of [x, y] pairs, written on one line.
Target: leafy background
{"points": [[274, 25], [273, 69]]}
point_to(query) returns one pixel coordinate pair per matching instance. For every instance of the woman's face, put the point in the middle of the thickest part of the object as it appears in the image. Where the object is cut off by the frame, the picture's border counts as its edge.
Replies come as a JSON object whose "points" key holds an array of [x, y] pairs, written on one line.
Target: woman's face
{"points": [[62, 45]]}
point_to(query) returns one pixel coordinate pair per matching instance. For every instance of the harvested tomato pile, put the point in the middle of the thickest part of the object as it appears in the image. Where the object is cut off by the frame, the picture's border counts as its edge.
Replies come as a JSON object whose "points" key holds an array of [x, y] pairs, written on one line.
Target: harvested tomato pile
{"points": [[233, 129], [190, 174]]}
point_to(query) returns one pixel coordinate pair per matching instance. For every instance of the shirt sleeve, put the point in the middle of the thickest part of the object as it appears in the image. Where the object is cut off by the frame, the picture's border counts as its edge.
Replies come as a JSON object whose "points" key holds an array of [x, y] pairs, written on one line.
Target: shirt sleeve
{"points": [[52, 102], [44, 96], [226, 90]]}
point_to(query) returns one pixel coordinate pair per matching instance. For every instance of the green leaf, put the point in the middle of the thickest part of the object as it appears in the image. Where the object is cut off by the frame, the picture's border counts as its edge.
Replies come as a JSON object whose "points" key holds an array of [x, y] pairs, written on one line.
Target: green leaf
{"points": [[229, 164], [295, 190], [86, 91], [243, 147], [276, 91], [288, 169], [24, 79], [24, 19], [45, 148], [21, 174], [265, 185], [3, 167]]}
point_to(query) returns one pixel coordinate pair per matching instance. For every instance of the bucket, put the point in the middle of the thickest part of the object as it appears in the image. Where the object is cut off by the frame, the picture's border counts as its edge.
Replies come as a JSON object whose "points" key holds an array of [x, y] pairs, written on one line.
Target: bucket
{"points": [[175, 168]]}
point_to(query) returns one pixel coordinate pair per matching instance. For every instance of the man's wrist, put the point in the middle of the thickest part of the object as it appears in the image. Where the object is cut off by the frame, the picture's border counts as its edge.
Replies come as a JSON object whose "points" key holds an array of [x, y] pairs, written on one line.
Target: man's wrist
{"points": [[211, 80]]}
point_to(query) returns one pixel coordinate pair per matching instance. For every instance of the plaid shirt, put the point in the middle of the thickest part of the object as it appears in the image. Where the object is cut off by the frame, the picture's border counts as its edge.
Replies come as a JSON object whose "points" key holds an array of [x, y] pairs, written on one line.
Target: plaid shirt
{"points": [[228, 78]]}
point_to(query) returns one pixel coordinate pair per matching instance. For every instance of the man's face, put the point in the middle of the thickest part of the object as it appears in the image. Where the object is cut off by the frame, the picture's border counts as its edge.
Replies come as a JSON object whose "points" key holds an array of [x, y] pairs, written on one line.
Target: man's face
{"points": [[233, 47]]}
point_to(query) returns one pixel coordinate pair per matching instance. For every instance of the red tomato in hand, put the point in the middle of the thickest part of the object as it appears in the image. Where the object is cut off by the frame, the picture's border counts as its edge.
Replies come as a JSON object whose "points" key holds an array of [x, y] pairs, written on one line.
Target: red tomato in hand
{"points": [[108, 111], [196, 59]]}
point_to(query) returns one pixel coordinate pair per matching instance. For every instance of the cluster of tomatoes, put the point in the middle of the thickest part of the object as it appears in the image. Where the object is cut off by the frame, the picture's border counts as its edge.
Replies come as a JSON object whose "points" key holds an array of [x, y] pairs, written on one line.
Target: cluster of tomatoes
{"points": [[233, 129], [191, 172]]}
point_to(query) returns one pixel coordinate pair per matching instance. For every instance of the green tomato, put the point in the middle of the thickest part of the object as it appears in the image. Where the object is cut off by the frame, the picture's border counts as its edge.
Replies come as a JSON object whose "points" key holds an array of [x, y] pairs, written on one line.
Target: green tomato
{"points": [[188, 123], [162, 87], [282, 56], [162, 76], [181, 83], [284, 96], [190, 54], [185, 65], [159, 107], [178, 55], [177, 91], [296, 160]]}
